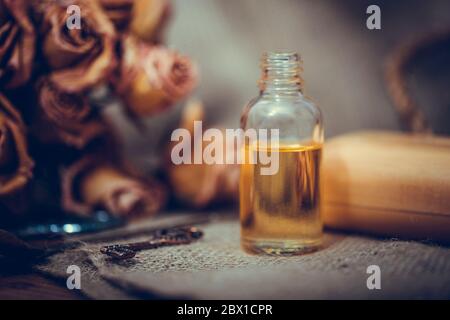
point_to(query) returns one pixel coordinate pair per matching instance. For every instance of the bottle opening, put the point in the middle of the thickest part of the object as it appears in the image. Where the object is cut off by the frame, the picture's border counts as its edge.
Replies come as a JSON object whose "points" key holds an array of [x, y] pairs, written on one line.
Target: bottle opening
{"points": [[281, 72]]}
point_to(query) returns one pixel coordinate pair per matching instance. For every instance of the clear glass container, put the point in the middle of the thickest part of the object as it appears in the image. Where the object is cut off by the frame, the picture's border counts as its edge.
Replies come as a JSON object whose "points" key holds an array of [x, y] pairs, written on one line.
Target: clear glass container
{"points": [[280, 213]]}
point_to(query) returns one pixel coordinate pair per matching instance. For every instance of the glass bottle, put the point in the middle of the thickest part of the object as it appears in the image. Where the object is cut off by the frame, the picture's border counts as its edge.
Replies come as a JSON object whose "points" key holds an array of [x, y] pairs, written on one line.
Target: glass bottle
{"points": [[280, 212]]}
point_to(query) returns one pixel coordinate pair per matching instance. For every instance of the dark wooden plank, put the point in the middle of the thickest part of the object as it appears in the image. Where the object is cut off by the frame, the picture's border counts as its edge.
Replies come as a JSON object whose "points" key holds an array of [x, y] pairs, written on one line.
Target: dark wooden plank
{"points": [[34, 287]]}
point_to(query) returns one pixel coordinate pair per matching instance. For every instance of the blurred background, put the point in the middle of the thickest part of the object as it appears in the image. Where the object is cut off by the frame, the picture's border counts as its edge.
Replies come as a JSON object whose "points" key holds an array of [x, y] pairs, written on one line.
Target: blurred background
{"points": [[62, 160], [344, 62]]}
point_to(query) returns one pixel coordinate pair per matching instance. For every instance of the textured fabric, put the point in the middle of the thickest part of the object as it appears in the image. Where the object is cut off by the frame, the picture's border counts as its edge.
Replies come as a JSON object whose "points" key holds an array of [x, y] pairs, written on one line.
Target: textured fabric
{"points": [[215, 267]]}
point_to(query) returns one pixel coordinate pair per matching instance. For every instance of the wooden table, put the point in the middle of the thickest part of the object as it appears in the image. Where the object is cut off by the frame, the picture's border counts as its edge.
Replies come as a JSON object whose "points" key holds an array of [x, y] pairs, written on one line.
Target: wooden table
{"points": [[34, 287]]}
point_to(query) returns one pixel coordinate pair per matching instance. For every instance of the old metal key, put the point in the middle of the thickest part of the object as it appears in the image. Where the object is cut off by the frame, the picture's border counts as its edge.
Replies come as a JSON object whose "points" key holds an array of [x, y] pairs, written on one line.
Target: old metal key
{"points": [[160, 238]]}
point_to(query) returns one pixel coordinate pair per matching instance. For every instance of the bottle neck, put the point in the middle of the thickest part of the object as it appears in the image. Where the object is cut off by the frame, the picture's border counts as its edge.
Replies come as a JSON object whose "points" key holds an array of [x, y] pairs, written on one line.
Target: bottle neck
{"points": [[281, 74]]}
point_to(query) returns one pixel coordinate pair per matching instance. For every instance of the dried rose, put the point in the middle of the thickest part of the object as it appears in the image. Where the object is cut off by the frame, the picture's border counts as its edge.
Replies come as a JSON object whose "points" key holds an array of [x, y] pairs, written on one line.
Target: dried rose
{"points": [[65, 117], [79, 58], [149, 18], [94, 183], [200, 185], [15, 164], [17, 43], [119, 12], [144, 18], [152, 78]]}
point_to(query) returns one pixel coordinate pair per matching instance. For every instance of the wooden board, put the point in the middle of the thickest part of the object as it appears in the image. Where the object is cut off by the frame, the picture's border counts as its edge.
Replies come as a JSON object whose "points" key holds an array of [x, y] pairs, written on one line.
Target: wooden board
{"points": [[34, 287], [389, 184]]}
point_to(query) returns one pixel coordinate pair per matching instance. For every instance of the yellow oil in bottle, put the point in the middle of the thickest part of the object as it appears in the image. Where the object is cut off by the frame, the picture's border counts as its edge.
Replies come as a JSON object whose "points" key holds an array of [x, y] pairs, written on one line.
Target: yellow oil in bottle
{"points": [[280, 213]]}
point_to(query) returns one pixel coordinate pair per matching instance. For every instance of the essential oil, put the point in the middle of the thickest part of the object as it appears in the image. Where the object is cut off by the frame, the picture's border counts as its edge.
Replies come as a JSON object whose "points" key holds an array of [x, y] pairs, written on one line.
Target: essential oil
{"points": [[280, 213]]}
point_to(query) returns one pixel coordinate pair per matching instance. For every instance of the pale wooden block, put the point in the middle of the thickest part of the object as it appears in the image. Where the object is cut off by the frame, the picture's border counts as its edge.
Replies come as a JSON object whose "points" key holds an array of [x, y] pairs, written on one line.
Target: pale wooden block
{"points": [[388, 183]]}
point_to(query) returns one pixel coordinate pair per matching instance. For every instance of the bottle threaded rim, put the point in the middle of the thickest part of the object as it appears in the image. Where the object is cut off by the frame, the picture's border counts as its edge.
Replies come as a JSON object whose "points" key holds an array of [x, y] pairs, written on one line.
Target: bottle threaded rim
{"points": [[281, 71]]}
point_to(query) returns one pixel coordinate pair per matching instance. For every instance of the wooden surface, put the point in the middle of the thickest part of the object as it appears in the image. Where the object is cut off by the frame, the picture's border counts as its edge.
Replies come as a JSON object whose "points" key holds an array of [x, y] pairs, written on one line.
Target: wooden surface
{"points": [[389, 184], [34, 287]]}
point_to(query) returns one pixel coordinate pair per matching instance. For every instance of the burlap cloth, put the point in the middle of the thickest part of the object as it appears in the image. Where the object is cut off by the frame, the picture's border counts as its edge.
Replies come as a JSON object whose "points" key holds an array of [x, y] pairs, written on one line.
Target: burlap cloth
{"points": [[215, 267]]}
